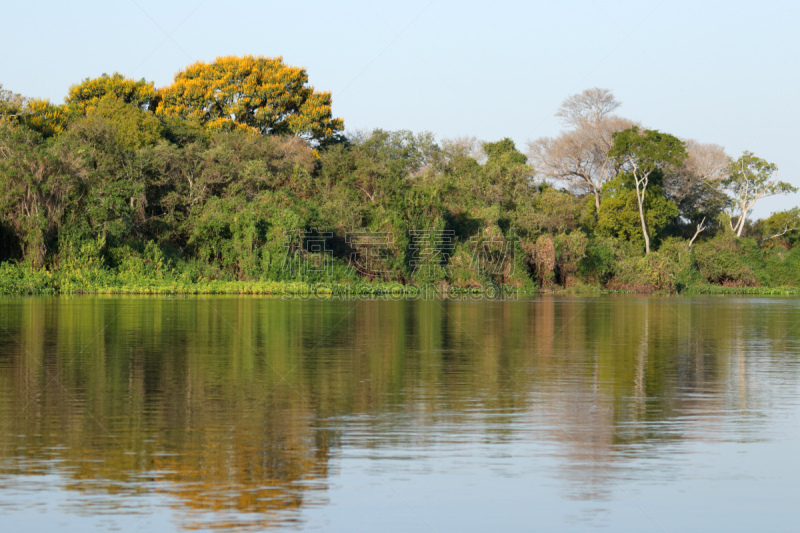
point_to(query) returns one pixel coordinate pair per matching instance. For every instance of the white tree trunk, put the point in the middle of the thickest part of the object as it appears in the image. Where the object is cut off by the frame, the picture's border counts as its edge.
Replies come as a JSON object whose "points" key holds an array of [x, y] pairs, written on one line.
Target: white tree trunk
{"points": [[641, 189], [700, 228]]}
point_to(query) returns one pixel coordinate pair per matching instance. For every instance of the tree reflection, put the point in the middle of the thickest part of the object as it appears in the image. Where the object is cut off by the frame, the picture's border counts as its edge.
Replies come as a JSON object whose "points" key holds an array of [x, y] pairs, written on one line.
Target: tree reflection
{"points": [[235, 407]]}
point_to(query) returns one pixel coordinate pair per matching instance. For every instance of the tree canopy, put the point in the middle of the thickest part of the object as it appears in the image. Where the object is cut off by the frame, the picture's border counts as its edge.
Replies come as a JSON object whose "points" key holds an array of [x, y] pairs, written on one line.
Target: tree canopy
{"points": [[647, 154], [82, 97], [751, 178], [259, 94]]}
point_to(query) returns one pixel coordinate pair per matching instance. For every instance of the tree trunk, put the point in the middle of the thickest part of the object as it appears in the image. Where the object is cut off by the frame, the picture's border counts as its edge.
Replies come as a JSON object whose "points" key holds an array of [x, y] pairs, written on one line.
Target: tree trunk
{"points": [[740, 223], [640, 200], [644, 231], [745, 208]]}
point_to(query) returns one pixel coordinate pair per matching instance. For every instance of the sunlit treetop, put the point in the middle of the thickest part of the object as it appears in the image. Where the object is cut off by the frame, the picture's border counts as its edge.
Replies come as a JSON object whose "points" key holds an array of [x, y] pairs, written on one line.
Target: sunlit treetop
{"points": [[10, 102], [258, 94], [84, 96], [46, 118], [37, 114]]}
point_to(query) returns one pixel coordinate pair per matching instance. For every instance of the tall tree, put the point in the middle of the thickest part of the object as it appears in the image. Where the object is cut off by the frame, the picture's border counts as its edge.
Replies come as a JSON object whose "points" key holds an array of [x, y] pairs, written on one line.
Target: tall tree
{"points": [[751, 178], [257, 93], [621, 215], [579, 156], [646, 154]]}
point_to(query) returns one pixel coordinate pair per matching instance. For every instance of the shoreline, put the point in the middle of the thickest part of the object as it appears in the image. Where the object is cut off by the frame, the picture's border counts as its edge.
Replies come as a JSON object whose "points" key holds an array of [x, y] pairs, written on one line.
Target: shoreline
{"points": [[343, 290]]}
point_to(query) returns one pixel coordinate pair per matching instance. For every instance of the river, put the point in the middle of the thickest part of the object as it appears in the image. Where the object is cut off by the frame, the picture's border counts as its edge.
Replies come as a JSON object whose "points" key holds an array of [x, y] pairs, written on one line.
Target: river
{"points": [[545, 414]]}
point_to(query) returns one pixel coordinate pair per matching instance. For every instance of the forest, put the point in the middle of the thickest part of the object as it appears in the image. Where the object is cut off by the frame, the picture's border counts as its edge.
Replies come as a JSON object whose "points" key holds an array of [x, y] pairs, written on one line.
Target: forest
{"points": [[236, 178]]}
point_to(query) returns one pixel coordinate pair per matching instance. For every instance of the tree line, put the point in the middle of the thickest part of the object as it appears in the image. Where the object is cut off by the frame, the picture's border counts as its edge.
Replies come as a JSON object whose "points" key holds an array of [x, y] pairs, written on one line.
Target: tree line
{"points": [[236, 169]]}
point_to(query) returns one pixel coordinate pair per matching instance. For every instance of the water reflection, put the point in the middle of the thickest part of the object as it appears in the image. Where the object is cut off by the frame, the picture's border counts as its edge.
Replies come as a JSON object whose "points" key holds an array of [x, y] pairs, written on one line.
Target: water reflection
{"points": [[238, 412]]}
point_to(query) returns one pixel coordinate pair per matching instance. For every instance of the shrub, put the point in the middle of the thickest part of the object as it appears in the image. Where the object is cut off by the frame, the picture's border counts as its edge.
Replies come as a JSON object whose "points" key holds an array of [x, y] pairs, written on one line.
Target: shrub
{"points": [[720, 261], [570, 251], [23, 278]]}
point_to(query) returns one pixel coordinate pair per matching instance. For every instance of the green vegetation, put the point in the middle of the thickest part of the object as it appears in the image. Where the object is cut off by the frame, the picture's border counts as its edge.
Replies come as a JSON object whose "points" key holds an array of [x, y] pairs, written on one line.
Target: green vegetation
{"points": [[217, 186]]}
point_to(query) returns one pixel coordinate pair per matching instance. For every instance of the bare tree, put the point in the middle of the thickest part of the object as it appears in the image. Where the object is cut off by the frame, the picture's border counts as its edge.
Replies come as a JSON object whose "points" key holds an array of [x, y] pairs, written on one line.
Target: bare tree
{"points": [[706, 160], [579, 156], [587, 108]]}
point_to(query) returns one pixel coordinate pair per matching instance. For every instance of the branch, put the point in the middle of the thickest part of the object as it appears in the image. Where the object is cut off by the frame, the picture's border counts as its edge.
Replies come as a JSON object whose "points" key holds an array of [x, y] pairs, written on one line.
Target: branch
{"points": [[786, 230], [371, 196], [700, 228]]}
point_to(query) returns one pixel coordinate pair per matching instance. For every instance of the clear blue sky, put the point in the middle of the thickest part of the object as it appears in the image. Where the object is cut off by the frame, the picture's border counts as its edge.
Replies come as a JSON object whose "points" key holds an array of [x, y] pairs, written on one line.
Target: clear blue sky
{"points": [[716, 71]]}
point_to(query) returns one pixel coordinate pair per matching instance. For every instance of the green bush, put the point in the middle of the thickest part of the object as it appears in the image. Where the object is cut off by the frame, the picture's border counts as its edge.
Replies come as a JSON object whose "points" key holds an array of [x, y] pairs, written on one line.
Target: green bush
{"points": [[721, 261], [781, 265], [570, 252], [81, 267], [682, 267], [22, 278]]}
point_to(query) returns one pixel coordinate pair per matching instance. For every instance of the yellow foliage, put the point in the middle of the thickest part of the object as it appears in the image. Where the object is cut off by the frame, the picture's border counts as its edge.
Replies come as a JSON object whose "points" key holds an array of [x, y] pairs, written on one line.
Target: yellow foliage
{"points": [[250, 93], [44, 117], [84, 96]]}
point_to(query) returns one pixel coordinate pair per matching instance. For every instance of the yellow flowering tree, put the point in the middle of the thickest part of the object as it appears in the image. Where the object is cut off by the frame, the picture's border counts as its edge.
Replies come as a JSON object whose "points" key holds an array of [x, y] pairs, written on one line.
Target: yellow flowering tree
{"points": [[86, 95], [37, 114], [258, 94], [44, 117]]}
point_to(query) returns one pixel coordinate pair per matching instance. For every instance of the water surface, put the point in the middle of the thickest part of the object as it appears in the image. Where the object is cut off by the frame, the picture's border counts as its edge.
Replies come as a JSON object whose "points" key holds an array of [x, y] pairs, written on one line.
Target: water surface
{"points": [[550, 414]]}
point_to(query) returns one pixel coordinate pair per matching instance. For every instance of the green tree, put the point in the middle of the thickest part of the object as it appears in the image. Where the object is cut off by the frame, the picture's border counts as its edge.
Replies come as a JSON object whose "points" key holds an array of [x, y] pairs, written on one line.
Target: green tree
{"points": [[549, 211], [645, 155], [108, 195], [134, 128], [506, 173], [751, 178], [259, 94], [35, 188], [620, 216]]}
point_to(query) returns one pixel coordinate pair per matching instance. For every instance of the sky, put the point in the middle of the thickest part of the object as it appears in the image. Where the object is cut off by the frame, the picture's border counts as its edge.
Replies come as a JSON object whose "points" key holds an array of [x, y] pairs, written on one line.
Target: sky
{"points": [[721, 72]]}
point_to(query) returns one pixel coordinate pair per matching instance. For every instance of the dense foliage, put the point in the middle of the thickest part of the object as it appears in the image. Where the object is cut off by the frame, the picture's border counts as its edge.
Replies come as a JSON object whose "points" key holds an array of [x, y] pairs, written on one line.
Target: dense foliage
{"points": [[236, 174]]}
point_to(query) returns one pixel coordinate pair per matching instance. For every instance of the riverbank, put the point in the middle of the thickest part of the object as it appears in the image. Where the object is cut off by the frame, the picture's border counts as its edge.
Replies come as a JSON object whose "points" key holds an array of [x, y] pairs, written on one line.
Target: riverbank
{"points": [[17, 280]]}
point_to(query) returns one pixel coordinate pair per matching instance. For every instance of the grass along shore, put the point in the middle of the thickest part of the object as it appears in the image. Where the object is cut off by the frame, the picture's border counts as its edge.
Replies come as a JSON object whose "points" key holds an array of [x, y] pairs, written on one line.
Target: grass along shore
{"points": [[17, 280]]}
